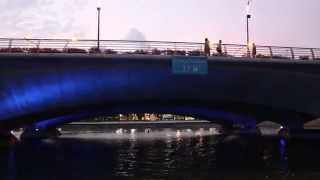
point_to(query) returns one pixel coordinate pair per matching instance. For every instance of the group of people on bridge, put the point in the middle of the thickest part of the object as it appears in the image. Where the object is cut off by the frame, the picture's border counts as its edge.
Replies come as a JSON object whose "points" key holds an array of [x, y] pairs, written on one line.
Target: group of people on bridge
{"points": [[207, 49]]}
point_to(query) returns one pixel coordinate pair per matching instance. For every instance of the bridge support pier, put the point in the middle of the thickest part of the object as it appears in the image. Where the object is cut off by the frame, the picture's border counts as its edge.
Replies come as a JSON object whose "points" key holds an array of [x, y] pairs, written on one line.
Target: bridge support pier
{"points": [[33, 133], [7, 139]]}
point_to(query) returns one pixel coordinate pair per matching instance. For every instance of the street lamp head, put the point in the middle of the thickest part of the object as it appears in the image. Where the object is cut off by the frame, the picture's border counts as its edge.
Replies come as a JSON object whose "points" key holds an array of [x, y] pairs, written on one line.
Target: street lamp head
{"points": [[98, 4], [248, 8]]}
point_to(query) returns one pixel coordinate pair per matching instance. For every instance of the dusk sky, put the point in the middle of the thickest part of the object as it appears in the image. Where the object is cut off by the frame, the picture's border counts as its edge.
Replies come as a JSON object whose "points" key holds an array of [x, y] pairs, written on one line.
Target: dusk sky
{"points": [[274, 22]]}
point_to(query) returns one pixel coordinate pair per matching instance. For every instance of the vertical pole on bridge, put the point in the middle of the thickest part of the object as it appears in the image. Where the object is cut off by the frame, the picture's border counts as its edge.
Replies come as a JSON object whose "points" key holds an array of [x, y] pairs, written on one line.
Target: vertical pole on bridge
{"points": [[248, 18], [38, 46], [10, 45], [292, 53], [248, 38], [98, 42], [225, 49], [312, 54], [271, 52]]}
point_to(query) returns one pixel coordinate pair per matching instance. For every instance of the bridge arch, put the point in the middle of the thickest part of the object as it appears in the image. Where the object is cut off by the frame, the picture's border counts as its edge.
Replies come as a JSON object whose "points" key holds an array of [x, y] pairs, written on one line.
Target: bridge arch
{"points": [[47, 87]]}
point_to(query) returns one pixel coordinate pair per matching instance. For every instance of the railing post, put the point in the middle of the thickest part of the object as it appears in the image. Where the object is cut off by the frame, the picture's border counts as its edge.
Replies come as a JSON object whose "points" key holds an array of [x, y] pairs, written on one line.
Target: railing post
{"points": [[10, 45], [312, 54], [225, 49], [292, 53], [67, 44], [175, 49], [271, 52], [38, 46], [248, 51]]}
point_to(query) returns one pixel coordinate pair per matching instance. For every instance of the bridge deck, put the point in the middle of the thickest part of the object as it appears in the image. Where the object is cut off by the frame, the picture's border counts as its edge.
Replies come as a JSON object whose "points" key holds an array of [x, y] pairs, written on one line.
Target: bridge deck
{"points": [[158, 57]]}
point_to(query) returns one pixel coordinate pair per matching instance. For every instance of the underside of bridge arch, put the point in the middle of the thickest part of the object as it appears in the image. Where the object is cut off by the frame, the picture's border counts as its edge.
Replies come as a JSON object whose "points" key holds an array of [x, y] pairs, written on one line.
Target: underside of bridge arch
{"points": [[213, 114], [222, 113]]}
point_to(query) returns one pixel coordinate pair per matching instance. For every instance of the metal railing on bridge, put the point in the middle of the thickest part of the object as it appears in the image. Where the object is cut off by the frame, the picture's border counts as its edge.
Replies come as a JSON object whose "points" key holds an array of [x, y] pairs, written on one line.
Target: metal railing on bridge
{"points": [[30, 46]]}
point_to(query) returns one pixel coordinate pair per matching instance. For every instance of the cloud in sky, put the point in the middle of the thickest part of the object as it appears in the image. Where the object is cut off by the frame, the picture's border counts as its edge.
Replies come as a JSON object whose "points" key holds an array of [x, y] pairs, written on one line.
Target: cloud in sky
{"points": [[136, 35], [285, 22], [40, 18]]}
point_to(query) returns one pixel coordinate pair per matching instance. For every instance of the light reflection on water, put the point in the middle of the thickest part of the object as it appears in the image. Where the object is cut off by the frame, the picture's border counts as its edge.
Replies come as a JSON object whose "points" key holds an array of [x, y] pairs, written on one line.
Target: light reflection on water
{"points": [[160, 157], [148, 134], [171, 157]]}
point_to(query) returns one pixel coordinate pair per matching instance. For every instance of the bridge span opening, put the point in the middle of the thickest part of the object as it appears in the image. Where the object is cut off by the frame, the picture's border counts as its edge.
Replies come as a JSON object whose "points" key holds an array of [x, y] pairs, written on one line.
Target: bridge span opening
{"points": [[228, 120]]}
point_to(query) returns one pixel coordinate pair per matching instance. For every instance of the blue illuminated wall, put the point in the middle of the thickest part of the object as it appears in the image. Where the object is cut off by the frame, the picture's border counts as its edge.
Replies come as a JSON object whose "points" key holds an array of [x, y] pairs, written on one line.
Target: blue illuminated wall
{"points": [[60, 88]]}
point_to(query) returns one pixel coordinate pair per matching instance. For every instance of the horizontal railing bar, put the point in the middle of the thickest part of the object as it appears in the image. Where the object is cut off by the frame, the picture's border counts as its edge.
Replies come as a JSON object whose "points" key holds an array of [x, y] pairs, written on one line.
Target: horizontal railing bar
{"points": [[90, 40]]}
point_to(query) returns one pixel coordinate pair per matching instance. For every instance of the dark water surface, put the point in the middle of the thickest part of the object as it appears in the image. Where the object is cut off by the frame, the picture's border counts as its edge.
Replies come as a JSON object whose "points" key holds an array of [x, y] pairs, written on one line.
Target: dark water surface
{"points": [[189, 158]]}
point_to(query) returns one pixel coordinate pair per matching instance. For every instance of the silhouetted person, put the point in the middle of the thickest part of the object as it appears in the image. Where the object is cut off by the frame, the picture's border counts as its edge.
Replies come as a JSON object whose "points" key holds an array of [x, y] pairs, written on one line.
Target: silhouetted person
{"points": [[207, 47], [254, 50], [219, 48]]}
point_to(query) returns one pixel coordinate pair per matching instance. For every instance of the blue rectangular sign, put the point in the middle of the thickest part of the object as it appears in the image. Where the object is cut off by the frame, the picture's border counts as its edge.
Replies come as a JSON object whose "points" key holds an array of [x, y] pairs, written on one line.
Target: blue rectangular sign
{"points": [[190, 65]]}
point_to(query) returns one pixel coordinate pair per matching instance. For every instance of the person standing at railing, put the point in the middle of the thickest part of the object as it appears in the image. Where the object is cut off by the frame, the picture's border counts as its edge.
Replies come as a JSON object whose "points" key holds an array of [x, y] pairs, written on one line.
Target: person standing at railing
{"points": [[254, 50], [219, 48], [207, 47]]}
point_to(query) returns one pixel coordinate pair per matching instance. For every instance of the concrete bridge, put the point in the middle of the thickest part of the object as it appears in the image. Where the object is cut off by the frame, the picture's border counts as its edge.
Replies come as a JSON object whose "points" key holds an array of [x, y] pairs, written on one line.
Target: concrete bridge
{"points": [[60, 88], [48, 89]]}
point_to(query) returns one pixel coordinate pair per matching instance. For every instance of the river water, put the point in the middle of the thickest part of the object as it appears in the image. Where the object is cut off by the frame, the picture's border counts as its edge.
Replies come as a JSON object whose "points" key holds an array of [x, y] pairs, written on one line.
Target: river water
{"points": [[90, 156]]}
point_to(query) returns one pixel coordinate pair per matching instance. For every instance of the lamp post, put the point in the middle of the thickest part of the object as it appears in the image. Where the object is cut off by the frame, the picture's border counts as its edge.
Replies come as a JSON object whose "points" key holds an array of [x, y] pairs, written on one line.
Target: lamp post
{"points": [[248, 34], [248, 17], [98, 42]]}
